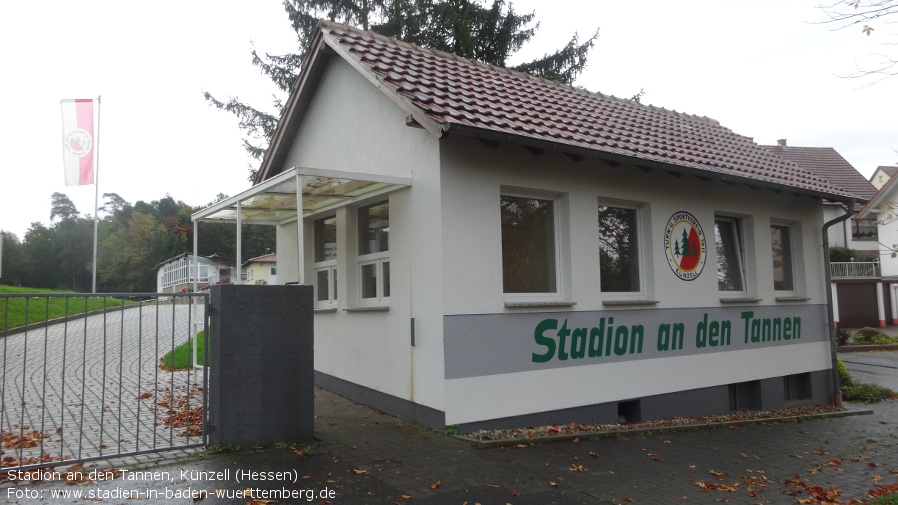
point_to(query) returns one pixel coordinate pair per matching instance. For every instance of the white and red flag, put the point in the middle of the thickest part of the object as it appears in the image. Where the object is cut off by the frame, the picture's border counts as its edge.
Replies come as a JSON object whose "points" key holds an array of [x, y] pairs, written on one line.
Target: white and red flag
{"points": [[78, 141]]}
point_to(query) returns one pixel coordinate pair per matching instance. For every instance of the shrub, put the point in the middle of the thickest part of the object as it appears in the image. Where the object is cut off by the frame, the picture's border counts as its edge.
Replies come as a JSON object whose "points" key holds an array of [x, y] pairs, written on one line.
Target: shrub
{"points": [[840, 254], [863, 392], [868, 336], [843, 336], [845, 379]]}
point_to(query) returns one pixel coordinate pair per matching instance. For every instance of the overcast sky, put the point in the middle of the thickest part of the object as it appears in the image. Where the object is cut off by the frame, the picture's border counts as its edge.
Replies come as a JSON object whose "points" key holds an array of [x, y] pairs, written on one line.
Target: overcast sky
{"points": [[764, 69]]}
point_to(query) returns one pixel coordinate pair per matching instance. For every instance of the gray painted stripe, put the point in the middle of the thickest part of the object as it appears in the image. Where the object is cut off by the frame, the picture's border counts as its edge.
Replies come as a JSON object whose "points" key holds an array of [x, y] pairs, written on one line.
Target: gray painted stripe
{"points": [[489, 344]]}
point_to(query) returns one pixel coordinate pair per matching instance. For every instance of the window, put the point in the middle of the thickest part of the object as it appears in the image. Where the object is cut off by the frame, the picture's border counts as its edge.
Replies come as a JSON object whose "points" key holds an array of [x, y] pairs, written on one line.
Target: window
{"points": [[618, 249], [528, 245], [730, 273], [781, 244], [325, 266], [864, 229], [797, 386], [374, 252]]}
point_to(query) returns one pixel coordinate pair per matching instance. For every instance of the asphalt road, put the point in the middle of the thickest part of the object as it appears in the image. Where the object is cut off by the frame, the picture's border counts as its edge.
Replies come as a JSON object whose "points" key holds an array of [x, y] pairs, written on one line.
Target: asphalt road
{"points": [[880, 367]]}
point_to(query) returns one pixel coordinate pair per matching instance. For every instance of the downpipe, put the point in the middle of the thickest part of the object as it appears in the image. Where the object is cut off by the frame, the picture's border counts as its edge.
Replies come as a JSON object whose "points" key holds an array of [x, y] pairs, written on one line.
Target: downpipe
{"points": [[849, 210]]}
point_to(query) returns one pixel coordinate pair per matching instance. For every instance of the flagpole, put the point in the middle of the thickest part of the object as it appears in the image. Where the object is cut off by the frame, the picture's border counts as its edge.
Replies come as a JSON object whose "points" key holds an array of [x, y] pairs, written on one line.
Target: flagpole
{"points": [[96, 194]]}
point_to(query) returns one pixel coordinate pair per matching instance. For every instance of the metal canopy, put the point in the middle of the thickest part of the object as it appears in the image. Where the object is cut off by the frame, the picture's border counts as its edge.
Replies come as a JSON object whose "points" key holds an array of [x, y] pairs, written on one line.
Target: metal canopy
{"points": [[274, 201]]}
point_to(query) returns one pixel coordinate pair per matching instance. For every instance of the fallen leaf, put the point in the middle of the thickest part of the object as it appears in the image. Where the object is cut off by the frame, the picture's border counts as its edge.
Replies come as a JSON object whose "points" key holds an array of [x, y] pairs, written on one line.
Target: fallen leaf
{"points": [[435, 485]]}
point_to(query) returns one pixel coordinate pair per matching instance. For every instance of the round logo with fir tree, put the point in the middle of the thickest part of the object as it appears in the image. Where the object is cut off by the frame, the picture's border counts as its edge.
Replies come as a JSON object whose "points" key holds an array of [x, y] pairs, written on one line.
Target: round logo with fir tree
{"points": [[685, 244]]}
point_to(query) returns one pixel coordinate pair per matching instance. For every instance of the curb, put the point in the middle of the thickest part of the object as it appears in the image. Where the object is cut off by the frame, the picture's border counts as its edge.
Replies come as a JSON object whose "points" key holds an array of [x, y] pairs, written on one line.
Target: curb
{"points": [[863, 348], [548, 439]]}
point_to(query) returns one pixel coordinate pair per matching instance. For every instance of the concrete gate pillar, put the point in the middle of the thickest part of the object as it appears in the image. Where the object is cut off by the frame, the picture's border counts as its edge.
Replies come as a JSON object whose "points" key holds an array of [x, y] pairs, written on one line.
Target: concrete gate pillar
{"points": [[261, 367]]}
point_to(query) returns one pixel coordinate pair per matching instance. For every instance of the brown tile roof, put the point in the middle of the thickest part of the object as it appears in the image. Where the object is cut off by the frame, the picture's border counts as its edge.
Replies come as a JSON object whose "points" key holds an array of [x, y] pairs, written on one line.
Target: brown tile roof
{"points": [[825, 162], [446, 93]]}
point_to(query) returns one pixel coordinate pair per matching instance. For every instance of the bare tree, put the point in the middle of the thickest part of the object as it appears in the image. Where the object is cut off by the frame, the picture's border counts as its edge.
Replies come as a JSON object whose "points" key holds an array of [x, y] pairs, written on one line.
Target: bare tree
{"points": [[872, 17]]}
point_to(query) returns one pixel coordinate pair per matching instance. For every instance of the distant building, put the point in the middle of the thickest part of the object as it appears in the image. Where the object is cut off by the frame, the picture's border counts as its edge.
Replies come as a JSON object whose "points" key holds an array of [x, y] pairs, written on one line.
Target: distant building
{"points": [[261, 269], [178, 274], [882, 175], [825, 162]]}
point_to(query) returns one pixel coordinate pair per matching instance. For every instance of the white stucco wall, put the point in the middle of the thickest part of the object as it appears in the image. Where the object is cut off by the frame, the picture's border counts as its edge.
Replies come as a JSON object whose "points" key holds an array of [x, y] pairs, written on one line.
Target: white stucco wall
{"points": [[472, 179], [352, 126]]}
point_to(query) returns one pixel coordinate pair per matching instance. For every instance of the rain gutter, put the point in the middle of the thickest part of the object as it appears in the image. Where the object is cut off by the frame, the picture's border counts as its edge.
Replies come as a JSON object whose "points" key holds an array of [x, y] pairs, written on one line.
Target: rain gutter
{"points": [[837, 390]]}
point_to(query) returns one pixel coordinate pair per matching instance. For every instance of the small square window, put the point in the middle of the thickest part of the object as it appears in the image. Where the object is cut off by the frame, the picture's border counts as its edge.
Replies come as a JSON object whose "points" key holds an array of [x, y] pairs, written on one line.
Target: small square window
{"points": [[797, 386]]}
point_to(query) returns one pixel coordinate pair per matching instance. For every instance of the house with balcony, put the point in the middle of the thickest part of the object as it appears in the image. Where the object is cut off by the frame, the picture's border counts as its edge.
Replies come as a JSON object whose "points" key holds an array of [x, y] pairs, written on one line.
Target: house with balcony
{"points": [[882, 272]]}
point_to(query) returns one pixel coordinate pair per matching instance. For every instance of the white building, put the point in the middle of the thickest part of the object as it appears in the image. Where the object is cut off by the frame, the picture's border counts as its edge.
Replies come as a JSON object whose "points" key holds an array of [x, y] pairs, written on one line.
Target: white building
{"points": [[489, 248], [179, 274]]}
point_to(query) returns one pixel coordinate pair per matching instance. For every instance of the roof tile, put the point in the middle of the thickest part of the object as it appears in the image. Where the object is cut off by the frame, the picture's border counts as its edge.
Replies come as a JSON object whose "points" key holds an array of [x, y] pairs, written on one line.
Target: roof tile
{"points": [[452, 90]]}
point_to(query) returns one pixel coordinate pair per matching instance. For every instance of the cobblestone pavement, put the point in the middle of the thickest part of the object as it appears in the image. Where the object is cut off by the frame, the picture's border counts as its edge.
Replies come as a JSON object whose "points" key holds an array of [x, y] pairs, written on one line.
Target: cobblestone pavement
{"points": [[91, 387], [364, 456]]}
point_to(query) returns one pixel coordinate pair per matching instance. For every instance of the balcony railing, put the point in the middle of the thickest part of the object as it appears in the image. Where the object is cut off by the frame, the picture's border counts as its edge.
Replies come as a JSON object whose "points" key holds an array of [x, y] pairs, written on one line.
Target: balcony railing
{"points": [[854, 269]]}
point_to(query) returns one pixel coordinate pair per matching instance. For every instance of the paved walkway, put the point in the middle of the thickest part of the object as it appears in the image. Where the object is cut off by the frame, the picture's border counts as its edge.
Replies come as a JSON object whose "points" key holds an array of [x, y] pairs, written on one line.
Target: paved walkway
{"points": [[91, 387], [363, 456]]}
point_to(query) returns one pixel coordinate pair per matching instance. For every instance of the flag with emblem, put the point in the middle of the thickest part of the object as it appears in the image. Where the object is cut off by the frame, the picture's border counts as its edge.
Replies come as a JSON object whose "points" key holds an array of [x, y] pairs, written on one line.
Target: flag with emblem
{"points": [[78, 141]]}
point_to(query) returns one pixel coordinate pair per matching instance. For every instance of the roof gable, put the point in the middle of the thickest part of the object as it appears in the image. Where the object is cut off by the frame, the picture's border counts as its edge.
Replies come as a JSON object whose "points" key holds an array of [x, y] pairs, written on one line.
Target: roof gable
{"points": [[447, 94]]}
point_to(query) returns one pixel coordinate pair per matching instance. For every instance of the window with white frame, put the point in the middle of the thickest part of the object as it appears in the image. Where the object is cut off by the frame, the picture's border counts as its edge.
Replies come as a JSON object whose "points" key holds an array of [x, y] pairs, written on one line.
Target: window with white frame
{"points": [[730, 264], [781, 246], [618, 249], [529, 245], [374, 252], [325, 265]]}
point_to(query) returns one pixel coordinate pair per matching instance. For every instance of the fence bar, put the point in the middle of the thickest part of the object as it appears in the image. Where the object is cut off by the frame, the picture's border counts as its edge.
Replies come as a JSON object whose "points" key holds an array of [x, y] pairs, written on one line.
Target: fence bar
{"points": [[56, 417]]}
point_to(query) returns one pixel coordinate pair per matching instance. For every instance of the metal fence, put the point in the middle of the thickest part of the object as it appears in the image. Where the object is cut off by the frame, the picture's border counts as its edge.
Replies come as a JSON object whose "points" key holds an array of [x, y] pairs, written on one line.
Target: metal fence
{"points": [[83, 377], [854, 269]]}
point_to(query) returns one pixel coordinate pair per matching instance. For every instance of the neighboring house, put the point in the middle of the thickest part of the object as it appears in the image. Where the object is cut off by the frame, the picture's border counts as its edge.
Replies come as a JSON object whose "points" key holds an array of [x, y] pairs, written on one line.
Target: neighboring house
{"points": [[261, 269], [492, 249], [882, 175], [825, 162], [883, 210], [178, 274]]}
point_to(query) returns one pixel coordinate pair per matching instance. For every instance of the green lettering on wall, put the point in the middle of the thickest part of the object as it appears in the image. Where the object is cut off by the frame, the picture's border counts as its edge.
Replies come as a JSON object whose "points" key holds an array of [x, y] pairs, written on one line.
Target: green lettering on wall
{"points": [[596, 337], [563, 333], [701, 332], [547, 342], [578, 343], [747, 315], [637, 332]]}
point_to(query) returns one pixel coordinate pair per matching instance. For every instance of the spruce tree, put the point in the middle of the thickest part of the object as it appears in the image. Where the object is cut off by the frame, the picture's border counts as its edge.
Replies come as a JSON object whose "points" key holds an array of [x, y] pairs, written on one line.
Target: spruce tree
{"points": [[468, 28]]}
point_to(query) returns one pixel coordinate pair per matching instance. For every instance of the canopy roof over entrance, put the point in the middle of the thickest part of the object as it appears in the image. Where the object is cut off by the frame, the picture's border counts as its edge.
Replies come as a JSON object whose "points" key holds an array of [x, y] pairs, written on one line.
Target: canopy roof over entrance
{"points": [[275, 200], [279, 200]]}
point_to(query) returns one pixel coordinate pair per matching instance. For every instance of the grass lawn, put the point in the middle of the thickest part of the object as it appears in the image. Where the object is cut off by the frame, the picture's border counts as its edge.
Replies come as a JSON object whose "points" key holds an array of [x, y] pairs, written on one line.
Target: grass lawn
{"points": [[43, 308], [182, 356], [891, 499]]}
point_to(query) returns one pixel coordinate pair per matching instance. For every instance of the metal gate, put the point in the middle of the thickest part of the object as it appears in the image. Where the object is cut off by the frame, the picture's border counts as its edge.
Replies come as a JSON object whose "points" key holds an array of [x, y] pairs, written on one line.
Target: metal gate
{"points": [[84, 377]]}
